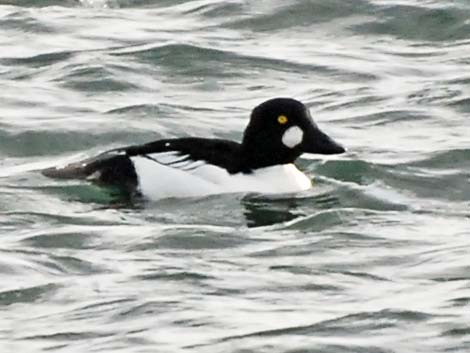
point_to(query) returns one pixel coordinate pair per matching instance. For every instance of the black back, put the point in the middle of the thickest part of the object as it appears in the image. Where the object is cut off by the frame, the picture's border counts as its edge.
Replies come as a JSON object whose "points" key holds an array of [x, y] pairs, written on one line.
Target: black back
{"points": [[222, 153]]}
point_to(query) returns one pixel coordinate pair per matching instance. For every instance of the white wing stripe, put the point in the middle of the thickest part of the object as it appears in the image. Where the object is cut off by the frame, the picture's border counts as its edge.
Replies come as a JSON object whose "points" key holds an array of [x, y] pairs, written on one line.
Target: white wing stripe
{"points": [[194, 165], [175, 160]]}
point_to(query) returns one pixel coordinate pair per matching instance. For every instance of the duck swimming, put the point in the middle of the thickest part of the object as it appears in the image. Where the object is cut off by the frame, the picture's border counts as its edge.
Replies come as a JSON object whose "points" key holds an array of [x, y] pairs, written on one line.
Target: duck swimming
{"points": [[279, 131]]}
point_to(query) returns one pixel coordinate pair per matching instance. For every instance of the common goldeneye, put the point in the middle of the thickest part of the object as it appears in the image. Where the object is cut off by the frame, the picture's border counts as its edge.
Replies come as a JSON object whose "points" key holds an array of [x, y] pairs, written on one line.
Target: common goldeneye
{"points": [[279, 131]]}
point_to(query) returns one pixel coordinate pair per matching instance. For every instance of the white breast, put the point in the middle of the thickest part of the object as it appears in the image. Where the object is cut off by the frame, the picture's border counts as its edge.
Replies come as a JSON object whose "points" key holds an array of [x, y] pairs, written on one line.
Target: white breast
{"points": [[157, 181]]}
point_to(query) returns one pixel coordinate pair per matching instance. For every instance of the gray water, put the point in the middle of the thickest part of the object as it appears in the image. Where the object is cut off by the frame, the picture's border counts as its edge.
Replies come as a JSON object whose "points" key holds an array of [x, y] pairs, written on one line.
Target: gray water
{"points": [[375, 258]]}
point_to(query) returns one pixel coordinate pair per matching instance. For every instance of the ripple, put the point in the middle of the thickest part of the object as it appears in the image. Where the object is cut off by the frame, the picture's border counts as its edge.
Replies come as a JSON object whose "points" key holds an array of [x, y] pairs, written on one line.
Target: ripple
{"points": [[464, 331], [445, 160], [361, 323], [40, 60], [389, 117], [175, 276], [463, 104], [42, 3], [28, 295], [419, 23], [22, 20], [219, 62], [149, 308], [191, 239], [60, 240], [94, 79], [68, 336], [301, 13]]}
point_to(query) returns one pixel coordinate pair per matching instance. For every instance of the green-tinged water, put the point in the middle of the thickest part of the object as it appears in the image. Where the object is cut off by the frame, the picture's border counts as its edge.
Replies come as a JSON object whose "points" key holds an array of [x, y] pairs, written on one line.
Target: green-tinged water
{"points": [[375, 258]]}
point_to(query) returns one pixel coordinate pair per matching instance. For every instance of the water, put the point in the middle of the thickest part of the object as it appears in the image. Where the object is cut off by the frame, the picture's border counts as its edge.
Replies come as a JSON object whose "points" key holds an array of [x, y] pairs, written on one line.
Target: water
{"points": [[374, 259]]}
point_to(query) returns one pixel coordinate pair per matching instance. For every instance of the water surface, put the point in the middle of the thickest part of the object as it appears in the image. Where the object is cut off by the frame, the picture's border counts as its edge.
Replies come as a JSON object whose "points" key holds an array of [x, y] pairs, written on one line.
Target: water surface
{"points": [[374, 259]]}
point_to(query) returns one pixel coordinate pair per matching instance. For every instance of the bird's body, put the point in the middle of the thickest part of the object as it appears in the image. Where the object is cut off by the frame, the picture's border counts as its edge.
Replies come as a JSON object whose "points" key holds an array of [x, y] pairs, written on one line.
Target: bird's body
{"points": [[165, 181], [279, 131]]}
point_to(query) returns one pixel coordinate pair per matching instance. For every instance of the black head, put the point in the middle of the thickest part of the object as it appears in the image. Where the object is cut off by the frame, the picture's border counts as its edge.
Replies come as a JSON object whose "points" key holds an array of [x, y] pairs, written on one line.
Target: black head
{"points": [[279, 131]]}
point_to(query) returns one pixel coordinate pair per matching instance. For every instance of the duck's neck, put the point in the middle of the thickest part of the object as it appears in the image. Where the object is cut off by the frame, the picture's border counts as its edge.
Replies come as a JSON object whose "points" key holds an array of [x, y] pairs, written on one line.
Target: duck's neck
{"points": [[255, 157]]}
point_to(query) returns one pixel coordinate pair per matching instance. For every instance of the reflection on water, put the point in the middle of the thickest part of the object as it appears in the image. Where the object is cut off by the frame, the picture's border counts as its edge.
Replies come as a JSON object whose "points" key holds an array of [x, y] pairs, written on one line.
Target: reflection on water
{"points": [[259, 212]]}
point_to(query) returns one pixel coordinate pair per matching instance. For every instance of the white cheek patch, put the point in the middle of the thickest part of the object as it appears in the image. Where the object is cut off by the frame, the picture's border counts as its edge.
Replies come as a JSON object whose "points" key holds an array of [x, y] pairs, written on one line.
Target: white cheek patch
{"points": [[292, 137]]}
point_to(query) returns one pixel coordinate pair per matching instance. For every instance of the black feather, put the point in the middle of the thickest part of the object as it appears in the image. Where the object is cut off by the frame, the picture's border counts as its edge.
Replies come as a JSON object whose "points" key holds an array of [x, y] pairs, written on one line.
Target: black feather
{"points": [[222, 153]]}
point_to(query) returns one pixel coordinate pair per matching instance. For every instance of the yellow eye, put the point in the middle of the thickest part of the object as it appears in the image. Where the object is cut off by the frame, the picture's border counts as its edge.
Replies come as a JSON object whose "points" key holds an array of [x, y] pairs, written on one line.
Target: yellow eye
{"points": [[282, 119]]}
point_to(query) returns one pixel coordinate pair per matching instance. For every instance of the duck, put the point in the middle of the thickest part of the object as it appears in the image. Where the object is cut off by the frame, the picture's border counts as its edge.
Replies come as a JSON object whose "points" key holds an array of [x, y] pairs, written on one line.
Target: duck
{"points": [[279, 131]]}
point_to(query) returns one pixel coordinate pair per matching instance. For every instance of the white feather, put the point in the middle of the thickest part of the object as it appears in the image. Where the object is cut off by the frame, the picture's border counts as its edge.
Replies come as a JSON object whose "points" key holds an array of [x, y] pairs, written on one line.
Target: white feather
{"points": [[292, 136], [157, 181], [166, 157]]}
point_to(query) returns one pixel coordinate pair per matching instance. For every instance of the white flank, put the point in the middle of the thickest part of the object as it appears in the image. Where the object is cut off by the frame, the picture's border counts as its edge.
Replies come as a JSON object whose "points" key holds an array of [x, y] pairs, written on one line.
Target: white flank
{"points": [[157, 181], [292, 137]]}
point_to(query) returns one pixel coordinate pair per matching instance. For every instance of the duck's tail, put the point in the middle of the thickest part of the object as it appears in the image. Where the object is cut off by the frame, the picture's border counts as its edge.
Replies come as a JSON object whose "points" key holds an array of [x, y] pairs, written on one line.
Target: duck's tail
{"points": [[108, 169]]}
